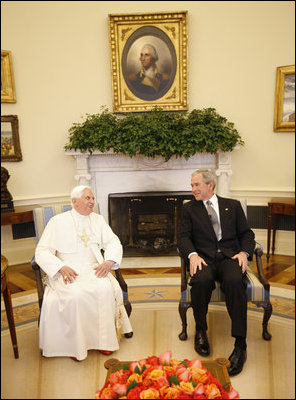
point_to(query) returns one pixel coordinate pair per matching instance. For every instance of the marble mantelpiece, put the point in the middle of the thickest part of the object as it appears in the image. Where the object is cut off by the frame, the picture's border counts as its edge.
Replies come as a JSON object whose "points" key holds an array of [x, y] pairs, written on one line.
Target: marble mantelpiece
{"points": [[117, 173]]}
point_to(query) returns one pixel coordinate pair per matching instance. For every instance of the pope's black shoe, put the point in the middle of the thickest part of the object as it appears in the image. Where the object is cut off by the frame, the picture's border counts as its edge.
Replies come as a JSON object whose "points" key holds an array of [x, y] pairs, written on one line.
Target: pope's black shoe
{"points": [[201, 344], [237, 360]]}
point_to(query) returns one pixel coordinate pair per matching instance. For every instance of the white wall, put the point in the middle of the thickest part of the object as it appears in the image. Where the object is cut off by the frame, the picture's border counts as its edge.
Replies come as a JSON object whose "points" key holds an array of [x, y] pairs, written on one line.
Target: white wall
{"points": [[61, 62]]}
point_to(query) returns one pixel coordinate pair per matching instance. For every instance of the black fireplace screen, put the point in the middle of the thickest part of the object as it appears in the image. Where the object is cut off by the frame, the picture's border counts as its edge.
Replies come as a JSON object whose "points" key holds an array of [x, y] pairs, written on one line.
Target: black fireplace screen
{"points": [[147, 223]]}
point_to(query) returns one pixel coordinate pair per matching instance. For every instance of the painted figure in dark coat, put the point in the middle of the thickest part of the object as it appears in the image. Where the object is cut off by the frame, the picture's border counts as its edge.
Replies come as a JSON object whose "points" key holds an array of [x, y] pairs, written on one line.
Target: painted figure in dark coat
{"points": [[149, 80]]}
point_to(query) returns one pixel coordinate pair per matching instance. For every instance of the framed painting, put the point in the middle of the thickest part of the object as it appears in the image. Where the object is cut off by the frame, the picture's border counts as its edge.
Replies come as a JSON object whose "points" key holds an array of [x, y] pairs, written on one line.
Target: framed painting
{"points": [[7, 78], [149, 61], [284, 108], [10, 142]]}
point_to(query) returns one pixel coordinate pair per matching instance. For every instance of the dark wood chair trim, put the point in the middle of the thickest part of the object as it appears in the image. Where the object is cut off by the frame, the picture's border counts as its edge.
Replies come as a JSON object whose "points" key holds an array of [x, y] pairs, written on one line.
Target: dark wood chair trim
{"points": [[9, 310], [266, 305]]}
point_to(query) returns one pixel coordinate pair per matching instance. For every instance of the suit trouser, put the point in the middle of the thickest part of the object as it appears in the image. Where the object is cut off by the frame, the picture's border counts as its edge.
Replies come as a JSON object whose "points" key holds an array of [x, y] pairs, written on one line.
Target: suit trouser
{"points": [[229, 274]]}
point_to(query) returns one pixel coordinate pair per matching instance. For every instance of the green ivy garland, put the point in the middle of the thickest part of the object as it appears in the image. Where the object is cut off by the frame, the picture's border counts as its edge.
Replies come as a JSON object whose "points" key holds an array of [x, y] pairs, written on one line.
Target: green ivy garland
{"points": [[155, 133]]}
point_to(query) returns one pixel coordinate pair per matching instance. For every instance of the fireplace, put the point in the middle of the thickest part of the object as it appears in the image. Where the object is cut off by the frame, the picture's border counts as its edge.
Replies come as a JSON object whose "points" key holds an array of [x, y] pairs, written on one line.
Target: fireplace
{"points": [[110, 175], [147, 224]]}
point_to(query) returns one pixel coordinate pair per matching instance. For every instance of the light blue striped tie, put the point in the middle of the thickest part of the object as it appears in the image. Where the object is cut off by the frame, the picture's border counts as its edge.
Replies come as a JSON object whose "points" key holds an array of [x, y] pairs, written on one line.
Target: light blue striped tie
{"points": [[214, 218]]}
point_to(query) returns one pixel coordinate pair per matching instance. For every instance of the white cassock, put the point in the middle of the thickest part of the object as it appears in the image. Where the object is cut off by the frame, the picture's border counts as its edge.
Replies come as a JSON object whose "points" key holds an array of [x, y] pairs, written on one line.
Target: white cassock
{"points": [[82, 315]]}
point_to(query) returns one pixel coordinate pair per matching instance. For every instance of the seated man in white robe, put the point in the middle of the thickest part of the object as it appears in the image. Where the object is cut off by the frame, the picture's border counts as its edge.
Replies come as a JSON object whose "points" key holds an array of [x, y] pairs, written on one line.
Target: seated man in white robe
{"points": [[83, 304]]}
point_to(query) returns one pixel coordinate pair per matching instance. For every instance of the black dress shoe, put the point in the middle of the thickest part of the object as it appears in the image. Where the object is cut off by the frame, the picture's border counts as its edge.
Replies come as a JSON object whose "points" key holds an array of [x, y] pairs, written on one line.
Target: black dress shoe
{"points": [[237, 360], [201, 344], [128, 335]]}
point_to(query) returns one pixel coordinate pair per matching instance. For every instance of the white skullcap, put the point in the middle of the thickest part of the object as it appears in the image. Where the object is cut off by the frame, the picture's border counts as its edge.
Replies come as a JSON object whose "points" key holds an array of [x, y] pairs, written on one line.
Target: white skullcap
{"points": [[78, 190]]}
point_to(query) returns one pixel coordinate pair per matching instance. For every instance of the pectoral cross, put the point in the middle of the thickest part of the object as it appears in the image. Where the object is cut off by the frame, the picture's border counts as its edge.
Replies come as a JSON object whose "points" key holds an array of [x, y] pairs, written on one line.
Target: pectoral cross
{"points": [[84, 238]]}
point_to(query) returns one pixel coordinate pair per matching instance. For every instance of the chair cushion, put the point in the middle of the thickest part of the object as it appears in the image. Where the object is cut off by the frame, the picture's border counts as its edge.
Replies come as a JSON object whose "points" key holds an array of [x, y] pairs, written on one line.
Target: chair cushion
{"points": [[43, 214], [255, 290]]}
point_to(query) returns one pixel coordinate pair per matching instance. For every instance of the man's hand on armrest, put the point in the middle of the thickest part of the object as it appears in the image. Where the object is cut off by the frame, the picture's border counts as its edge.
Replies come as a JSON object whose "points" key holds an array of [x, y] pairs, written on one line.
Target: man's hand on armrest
{"points": [[68, 274], [196, 262], [102, 270]]}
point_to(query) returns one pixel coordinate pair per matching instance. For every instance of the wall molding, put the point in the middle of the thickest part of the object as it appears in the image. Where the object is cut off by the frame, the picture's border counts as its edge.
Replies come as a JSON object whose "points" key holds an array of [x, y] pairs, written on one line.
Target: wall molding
{"points": [[42, 200], [22, 250], [255, 196], [260, 197]]}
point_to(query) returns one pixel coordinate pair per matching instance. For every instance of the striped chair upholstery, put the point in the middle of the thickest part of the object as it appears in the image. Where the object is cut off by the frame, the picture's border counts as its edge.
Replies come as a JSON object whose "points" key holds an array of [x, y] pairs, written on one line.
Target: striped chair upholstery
{"points": [[258, 291], [41, 217], [255, 290], [43, 214]]}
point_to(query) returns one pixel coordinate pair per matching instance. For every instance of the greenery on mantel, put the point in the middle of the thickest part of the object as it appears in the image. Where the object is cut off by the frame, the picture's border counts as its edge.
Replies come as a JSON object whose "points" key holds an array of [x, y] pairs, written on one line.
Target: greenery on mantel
{"points": [[155, 133]]}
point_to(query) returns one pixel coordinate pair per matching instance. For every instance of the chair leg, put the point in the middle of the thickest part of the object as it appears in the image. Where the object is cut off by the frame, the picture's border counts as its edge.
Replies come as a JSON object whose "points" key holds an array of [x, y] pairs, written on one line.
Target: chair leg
{"points": [[267, 314], [10, 319], [267, 306], [183, 307]]}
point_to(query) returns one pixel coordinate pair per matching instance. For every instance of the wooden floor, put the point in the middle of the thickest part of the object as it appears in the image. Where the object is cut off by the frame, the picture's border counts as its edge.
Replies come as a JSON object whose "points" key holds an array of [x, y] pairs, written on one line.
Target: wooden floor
{"points": [[269, 372], [280, 269]]}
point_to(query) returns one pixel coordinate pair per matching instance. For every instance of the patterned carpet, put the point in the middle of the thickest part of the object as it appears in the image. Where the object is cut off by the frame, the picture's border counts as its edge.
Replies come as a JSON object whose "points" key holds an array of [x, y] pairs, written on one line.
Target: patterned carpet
{"points": [[159, 291]]}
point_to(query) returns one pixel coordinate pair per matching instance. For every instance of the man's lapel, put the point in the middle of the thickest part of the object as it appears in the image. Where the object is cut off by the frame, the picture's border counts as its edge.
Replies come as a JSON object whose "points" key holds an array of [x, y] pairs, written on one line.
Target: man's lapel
{"points": [[224, 211], [204, 217]]}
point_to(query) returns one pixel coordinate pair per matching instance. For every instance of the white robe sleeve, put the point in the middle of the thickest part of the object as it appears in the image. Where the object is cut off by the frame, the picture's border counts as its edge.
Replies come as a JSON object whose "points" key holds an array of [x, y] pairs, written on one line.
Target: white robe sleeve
{"points": [[45, 254]]}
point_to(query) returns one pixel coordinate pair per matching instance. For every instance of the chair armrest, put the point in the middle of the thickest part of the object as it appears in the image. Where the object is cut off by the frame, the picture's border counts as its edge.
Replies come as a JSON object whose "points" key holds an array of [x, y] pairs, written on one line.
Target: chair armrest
{"points": [[123, 286], [39, 281], [184, 272], [259, 246], [121, 280], [258, 254], [34, 265]]}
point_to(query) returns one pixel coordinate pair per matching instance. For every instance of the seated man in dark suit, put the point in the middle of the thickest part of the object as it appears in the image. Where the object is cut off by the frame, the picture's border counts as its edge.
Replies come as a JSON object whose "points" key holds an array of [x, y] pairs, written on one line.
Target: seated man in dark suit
{"points": [[218, 242]]}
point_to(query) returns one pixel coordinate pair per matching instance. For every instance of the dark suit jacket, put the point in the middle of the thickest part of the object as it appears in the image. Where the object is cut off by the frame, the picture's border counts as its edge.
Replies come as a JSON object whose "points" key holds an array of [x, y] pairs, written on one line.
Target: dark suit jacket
{"points": [[197, 233]]}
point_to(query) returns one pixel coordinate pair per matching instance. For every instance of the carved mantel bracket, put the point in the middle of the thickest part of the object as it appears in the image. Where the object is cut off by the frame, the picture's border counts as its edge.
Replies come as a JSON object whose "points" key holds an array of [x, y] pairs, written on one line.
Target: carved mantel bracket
{"points": [[82, 176]]}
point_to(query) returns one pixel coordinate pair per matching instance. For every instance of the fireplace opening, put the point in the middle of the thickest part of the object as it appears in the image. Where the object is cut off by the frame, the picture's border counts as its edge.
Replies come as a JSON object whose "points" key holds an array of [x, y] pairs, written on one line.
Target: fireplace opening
{"points": [[147, 223]]}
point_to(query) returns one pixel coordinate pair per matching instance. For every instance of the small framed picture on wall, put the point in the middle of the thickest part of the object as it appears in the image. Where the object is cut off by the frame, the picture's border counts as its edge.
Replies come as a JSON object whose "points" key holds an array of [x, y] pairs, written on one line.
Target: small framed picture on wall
{"points": [[284, 108], [7, 78], [10, 141]]}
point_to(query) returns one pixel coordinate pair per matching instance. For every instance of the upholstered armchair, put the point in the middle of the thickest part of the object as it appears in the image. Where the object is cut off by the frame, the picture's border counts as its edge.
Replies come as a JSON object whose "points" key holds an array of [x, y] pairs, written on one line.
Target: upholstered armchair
{"points": [[41, 217], [258, 291]]}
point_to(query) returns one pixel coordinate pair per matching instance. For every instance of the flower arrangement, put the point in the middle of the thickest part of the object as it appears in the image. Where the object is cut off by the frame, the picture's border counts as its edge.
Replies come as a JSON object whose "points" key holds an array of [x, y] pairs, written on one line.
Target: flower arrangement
{"points": [[165, 378]]}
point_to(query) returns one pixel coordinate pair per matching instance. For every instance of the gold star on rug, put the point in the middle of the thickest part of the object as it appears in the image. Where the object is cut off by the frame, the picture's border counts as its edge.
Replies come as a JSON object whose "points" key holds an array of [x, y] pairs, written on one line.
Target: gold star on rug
{"points": [[155, 293]]}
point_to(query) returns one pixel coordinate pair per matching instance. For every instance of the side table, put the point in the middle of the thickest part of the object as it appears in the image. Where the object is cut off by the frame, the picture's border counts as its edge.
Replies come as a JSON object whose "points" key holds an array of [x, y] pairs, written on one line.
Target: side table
{"points": [[8, 305], [277, 205], [20, 215]]}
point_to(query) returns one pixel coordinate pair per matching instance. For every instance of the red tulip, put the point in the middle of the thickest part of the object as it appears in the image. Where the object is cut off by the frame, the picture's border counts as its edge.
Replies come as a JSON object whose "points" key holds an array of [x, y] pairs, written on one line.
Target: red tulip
{"points": [[233, 394], [165, 357], [183, 374], [133, 365], [199, 389], [195, 363], [119, 389]]}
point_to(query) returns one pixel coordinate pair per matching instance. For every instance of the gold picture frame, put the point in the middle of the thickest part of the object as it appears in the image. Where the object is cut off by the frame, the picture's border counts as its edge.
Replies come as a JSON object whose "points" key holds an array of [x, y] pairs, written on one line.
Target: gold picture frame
{"points": [[10, 141], [284, 108], [165, 33], [7, 79]]}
